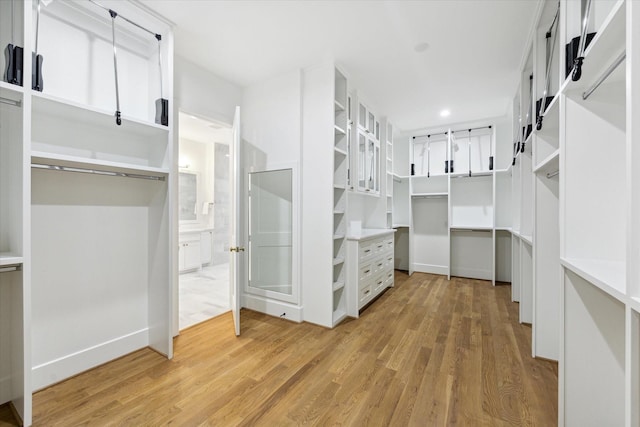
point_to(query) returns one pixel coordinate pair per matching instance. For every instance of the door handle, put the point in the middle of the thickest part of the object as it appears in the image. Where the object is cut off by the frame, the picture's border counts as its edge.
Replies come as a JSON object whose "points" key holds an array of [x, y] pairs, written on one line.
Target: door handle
{"points": [[237, 249]]}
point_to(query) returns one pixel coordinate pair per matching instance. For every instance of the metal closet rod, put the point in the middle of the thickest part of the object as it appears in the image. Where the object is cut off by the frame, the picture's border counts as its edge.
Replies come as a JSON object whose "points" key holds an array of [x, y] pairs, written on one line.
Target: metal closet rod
{"points": [[453, 131], [156, 35], [9, 268], [552, 174], [605, 75], [96, 171], [10, 101]]}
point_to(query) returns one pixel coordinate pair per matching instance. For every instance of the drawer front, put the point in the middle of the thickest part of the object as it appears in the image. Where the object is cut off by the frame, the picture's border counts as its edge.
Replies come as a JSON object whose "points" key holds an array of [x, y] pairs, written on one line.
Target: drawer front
{"points": [[366, 271], [388, 243], [364, 295], [378, 265], [379, 246], [388, 278], [379, 283], [366, 251]]}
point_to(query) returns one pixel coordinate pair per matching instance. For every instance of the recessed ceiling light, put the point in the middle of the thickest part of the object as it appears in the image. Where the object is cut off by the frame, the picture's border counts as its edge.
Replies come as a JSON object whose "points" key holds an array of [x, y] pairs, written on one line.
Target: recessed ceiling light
{"points": [[421, 47], [445, 113]]}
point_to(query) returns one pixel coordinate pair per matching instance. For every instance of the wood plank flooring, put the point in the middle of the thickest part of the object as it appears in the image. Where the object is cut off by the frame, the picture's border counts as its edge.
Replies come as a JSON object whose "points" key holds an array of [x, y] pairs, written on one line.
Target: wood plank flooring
{"points": [[429, 352]]}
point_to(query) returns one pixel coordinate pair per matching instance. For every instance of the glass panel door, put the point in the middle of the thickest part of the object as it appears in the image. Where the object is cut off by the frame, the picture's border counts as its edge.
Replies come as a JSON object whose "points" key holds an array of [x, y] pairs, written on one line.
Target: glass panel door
{"points": [[271, 233]]}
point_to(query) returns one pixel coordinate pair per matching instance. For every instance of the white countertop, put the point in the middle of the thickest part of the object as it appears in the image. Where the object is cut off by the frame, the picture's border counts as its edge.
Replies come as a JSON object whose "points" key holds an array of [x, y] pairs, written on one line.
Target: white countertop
{"points": [[368, 233], [195, 230]]}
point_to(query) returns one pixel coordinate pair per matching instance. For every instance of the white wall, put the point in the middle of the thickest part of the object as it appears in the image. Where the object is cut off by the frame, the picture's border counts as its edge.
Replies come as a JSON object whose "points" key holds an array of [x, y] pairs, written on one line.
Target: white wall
{"points": [[202, 93], [200, 157], [271, 118]]}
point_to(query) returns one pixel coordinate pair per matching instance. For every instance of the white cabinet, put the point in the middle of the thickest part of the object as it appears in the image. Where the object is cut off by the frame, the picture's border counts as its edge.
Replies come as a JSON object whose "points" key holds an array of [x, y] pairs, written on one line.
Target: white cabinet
{"points": [[371, 267], [206, 247], [189, 257], [367, 153]]}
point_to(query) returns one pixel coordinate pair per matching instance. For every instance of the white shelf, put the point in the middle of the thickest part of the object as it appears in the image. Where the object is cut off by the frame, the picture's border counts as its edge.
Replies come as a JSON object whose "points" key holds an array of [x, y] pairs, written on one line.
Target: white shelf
{"points": [[338, 236], [484, 174], [338, 105], [11, 90], [338, 212], [339, 130], [550, 164], [470, 228], [339, 187], [91, 116], [400, 226], [443, 194], [433, 175], [634, 302], [508, 229], [402, 176], [338, 261], [339, 151], [609, 41], [338, 285], [8, 258], [83, 162], [527, 239], [609, 276]]}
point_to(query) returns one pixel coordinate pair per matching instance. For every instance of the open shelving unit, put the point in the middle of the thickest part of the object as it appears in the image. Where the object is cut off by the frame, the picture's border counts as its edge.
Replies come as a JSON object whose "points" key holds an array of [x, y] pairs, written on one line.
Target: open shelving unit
{"points": [[85, 261], [340, 170]]}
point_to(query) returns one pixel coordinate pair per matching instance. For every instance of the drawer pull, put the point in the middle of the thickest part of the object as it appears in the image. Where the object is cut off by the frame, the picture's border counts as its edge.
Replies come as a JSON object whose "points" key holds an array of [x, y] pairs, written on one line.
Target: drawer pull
{"points": [[367, 271], [380, 282], [380, 265], [367, 250], [367, 291], [379, 246]]}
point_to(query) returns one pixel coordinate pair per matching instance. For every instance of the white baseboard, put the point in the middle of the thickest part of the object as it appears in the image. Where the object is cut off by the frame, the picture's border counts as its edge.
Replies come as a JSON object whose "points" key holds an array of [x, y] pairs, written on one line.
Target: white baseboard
{"points": [[429, 268], [472, 273], [67, 366], [273, 307]]}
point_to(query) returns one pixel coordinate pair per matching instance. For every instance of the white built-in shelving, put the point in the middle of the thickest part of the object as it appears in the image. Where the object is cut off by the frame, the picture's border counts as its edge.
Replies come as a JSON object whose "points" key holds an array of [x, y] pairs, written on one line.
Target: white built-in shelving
{"points": [[85, 257]]}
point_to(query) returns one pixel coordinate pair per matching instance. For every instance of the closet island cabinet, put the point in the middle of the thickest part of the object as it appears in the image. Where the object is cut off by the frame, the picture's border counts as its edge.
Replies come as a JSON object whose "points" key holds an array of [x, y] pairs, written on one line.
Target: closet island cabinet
{"points": [[86, 183]]}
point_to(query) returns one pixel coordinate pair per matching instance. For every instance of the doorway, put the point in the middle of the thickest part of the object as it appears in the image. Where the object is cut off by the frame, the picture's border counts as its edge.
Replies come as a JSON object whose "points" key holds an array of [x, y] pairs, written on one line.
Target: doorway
{"points": [[204, 219]]}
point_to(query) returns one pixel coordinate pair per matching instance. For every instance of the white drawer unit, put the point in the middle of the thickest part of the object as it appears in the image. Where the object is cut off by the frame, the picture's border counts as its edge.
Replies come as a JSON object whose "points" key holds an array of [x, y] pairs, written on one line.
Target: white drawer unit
{"points": [[370, 261]]}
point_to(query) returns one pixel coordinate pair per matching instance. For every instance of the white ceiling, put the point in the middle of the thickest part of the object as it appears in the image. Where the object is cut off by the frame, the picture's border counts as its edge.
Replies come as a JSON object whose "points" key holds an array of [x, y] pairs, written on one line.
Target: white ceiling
{"points": [[470, 66], [199, 130]]}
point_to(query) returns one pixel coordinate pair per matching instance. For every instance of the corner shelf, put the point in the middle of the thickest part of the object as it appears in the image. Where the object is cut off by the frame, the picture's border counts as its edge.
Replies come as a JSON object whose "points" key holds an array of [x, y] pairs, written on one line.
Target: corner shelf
{"points": [[339, 151], [338, 285], [338, 105], [338, 261]]}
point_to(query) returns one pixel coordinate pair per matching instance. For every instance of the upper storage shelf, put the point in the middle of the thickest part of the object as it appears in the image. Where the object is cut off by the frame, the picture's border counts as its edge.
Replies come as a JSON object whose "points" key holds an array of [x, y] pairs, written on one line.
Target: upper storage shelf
{"points": [[607, 44], [66, 128], [76, 43]]}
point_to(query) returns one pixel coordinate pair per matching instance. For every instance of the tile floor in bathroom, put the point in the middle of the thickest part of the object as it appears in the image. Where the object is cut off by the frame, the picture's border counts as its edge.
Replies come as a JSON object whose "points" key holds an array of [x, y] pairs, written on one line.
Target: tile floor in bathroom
{"points": [[203, 294]]}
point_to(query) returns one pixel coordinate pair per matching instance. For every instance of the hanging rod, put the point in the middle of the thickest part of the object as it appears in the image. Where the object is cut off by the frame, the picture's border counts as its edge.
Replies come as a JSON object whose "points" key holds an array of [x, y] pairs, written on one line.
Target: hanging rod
{"points": [[453, 131], [605, 75], [475, 230], [9, 268], [96, 172], [474, 175], [552, 174], [429, 196], [156, 35], [10, 101]]}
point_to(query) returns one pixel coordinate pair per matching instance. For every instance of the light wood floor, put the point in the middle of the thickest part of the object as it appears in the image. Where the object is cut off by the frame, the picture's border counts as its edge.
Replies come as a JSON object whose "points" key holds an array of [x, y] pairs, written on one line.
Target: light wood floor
{"points": [[427, 353]]}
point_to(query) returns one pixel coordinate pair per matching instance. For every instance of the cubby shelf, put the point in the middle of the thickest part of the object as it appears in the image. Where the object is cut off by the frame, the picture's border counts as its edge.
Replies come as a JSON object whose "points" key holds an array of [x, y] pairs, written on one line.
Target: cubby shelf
{"points": [[338, 261], [550, 164], [338, 106], [48, 105], [338, 285], [609, 276], [339, 130], [338, 316], [339, 151], [470, 228], [8, 258]]}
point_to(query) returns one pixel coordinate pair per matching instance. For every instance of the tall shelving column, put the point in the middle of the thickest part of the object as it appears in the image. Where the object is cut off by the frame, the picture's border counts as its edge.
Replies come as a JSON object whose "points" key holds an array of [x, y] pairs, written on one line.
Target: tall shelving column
{"points": [[15, 199], [546, 163], [101, 241], [387, 128], [340, 167], [595, 379]]}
